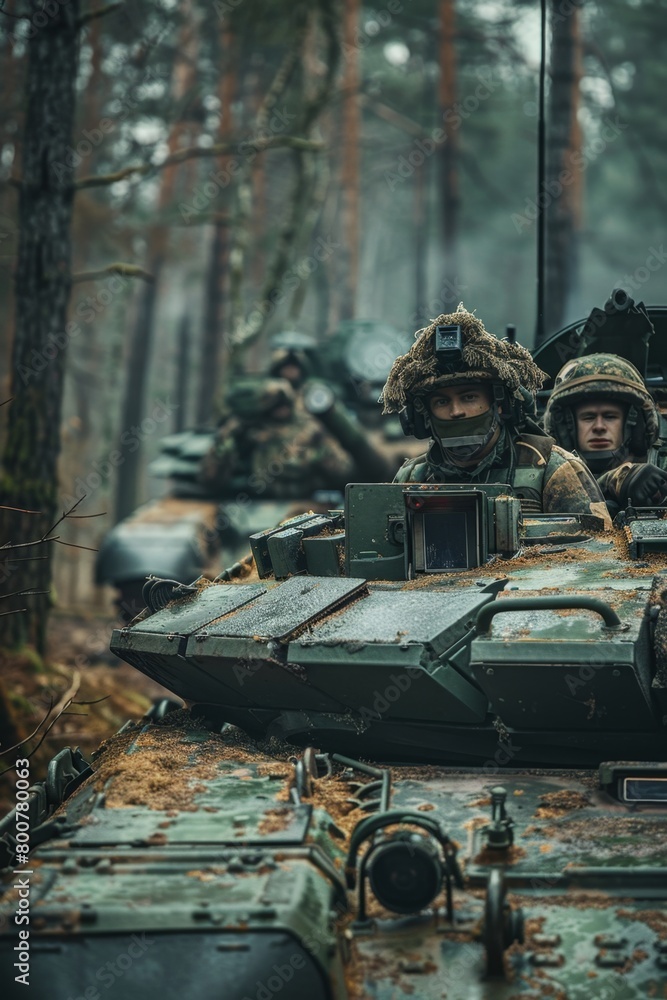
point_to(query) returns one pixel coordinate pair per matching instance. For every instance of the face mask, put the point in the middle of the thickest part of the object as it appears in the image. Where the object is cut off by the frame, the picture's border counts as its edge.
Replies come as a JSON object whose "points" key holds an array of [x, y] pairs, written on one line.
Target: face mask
{"points": [[466, 438]]}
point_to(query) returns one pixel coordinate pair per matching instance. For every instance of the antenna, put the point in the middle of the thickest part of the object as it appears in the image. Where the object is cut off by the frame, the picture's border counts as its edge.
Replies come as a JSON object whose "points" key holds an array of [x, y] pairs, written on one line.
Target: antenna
{"points": [[541, 172]]}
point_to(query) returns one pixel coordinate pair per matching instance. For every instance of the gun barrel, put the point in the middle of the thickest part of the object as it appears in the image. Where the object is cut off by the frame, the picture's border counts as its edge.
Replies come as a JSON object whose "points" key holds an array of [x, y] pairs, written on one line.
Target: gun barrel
{"points": [[372, 464]]}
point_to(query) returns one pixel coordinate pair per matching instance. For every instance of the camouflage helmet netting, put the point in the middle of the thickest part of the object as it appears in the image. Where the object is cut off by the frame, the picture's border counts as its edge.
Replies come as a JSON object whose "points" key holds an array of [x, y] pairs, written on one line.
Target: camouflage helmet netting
{"points": [[484, 358], [601, 376]]}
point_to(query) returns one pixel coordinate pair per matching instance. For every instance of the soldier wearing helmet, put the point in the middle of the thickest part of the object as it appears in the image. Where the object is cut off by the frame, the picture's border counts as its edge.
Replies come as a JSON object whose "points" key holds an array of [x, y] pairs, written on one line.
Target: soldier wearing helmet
{"points": [[292, 357], [470, 392], [601, 408], [268, 447]]}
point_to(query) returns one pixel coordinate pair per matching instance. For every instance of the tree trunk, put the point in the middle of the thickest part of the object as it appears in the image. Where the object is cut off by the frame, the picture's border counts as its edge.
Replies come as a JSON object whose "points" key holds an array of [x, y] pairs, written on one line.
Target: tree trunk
{"points": [[449, 153], [42, 288], [563, 212], [12, 71], [350, 160], [182, 374], [213, 326], [127, 485], [210, 359]]}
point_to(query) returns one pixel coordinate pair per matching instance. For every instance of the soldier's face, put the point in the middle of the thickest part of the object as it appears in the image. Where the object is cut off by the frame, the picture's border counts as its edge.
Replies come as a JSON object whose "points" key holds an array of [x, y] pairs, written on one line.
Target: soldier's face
{"points": [[599, 426], [458, 401], [292, 372]]}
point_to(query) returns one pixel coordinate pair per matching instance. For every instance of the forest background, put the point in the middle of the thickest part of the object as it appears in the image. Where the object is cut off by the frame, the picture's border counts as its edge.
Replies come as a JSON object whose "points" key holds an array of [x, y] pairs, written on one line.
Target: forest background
{"points": [[238, 167]]}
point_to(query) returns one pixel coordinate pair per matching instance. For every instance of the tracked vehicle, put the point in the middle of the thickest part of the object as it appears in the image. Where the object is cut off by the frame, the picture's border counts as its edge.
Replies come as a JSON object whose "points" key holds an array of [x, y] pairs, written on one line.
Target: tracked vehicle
{"points": [[422, 755], [192, 530]]}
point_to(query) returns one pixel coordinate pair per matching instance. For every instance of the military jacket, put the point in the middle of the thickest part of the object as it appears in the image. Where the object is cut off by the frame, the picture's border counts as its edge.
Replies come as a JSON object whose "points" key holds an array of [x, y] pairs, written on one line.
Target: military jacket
{"points": [[545, 477]]}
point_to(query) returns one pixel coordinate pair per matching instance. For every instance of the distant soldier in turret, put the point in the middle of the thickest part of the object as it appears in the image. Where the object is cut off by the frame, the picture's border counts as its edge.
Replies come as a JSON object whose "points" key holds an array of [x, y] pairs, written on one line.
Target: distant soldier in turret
{"points": [[292, 357], [601, 408], [463, 387], [268, 447]]}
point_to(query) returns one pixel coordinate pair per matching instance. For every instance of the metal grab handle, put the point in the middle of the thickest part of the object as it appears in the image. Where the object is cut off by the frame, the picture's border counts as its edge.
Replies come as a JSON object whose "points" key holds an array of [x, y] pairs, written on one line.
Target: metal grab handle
{"points": [[485, 614]]}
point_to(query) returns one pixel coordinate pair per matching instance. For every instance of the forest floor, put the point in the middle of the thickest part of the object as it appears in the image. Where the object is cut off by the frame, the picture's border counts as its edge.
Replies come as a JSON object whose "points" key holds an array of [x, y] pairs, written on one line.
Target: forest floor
{"points": [[77, 666]]}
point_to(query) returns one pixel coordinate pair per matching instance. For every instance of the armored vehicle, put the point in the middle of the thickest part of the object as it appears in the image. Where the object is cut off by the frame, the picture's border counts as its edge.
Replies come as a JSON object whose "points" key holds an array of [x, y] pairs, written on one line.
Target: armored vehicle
{"points": [[422, 755], [621, 326], [193, 530]]}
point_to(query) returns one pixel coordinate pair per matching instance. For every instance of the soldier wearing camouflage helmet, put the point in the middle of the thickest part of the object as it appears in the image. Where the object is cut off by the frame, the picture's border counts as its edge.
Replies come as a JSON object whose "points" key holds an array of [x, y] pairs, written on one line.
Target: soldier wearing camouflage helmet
{"points": [[292, 357], [267, 447], [471, 400], [601, 408]]}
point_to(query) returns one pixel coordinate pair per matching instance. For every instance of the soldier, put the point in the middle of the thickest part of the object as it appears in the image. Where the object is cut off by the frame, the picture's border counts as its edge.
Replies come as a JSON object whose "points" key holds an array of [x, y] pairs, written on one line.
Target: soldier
{"points": [[601, 407], [267, 447], [467, 390], [292, 357]]}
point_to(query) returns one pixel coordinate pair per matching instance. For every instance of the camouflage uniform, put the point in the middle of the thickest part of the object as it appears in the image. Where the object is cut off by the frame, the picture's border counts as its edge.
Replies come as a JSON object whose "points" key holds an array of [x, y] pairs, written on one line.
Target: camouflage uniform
{"points": [[544, 476], [635, 470], [261, 457]]}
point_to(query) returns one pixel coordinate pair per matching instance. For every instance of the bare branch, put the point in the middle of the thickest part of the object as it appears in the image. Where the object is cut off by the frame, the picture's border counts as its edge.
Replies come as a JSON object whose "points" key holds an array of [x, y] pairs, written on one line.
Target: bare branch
{"points": [[21, 510], [59, 709], [71, 545], [395, 118], [239, 146], [28, 559], [27, 739], [99, 12], [126, 270], [23, 593], [62, 517], [8, 546], [283, 75]]}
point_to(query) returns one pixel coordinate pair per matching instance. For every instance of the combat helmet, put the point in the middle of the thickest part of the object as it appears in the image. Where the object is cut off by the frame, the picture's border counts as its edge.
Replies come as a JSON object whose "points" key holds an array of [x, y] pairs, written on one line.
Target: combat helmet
{"points": [[598, 377], [292, 347], [453, 350], [253, 398]]}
